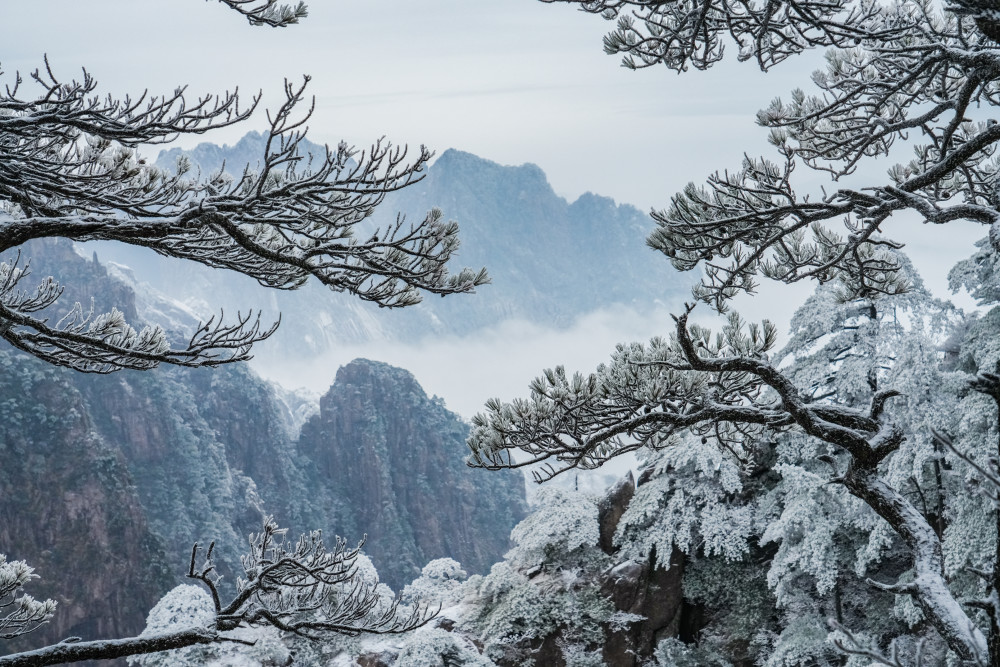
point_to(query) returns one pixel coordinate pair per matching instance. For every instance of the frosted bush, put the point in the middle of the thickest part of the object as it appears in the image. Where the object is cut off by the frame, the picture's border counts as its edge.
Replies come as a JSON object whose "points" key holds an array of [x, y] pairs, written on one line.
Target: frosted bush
{"points": [[562, 530], [189, 606], [672, 652], [432, 647], [440, 582]]}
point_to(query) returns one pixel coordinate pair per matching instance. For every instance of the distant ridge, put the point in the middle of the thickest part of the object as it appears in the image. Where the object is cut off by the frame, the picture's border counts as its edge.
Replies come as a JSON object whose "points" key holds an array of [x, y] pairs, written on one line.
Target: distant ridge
{"points": [[210, 157], [551, 261]]}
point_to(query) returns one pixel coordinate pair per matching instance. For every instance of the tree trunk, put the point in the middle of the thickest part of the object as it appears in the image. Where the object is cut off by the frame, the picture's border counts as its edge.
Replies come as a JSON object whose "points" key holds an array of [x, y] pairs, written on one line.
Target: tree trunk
{"points": [[929, 589], [108, 649]]}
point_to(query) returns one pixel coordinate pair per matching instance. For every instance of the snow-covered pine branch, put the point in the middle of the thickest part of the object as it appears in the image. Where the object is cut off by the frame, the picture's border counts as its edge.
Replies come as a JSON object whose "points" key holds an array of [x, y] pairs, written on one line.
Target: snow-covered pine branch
{"points": [[268, 12], [19, 613], [69, 167], [900, 71]]}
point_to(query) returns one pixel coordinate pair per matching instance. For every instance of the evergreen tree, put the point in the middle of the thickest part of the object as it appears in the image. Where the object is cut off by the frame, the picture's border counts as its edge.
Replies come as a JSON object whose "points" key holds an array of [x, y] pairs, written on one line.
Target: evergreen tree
{"points": [[871, 427]]}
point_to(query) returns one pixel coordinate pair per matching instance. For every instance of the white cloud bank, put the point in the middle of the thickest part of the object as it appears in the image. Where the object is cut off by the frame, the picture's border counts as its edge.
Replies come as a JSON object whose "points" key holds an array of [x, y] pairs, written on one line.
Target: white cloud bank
{"points": [[498, 362]]}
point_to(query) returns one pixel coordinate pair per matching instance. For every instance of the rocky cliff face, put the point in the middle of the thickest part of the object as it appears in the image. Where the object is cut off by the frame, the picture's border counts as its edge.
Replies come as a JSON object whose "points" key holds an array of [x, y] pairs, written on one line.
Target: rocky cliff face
{"points": [[68, 506], [392, 460]]}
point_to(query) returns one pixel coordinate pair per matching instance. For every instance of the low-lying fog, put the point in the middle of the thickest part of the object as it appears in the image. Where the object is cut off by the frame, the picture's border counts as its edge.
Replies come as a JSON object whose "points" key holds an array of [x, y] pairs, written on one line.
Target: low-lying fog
{"points": [[499, 362]]}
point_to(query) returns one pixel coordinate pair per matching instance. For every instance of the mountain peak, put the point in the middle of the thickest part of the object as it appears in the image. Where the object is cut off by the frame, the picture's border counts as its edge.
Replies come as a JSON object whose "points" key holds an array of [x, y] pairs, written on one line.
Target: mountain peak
{"points": [[377, 441], [454, 160], [365, 371]]}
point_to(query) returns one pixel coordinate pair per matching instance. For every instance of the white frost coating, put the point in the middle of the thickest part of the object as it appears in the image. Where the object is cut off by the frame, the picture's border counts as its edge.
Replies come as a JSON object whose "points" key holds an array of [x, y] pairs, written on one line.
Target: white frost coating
{"points": [[431, 647], [185, 606], [20, 614], [564, 522], [440, 582], [191, 606], [687, 504], [805, 530], [931, 590]]}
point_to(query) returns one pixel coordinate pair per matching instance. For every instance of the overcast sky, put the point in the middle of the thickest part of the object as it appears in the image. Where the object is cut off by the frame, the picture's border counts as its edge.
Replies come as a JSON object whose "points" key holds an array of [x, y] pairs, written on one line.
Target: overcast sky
{"points": [[510, 80], [513, 81]]}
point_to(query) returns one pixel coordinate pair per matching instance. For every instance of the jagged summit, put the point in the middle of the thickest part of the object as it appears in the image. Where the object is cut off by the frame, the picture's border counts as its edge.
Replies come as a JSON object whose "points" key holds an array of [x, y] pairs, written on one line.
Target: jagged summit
{"points": [[365, 371], [454, 161], [457, 164], [379, 442], [209, 157]]}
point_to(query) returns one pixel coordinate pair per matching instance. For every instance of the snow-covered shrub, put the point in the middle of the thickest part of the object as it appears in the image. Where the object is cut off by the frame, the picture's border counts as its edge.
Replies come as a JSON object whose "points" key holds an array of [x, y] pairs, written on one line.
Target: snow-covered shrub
{"points": [[672, 652], [191, 606], [433, 647], [691, 501], [440, 582], [561, 532], [547, 586]]}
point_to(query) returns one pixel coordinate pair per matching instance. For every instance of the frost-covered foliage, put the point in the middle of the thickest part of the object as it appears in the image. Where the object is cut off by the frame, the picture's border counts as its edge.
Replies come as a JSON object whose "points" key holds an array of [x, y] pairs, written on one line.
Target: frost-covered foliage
{"points": [[790, 543], [693, 502], [19, 613], [544, 589], [828, 541], [672, 652], [263, 644], [861, 454], [520, 612], [563, 534], [807, 545], [431, 647], [309, 651], [891, 67], [776, 550], [735, 597], [442, 583], [439, 583], [191, 606], [642, 397]]}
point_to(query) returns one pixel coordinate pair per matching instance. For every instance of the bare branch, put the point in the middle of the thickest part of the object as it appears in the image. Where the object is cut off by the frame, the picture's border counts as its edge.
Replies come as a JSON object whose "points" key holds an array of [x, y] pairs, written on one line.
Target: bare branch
{"points": [[303, 589], [683, 34]]}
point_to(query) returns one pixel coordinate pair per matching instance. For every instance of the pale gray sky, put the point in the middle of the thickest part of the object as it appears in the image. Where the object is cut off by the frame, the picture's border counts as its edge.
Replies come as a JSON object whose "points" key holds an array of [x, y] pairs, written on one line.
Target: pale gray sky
{"points": [[510, 80]]}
